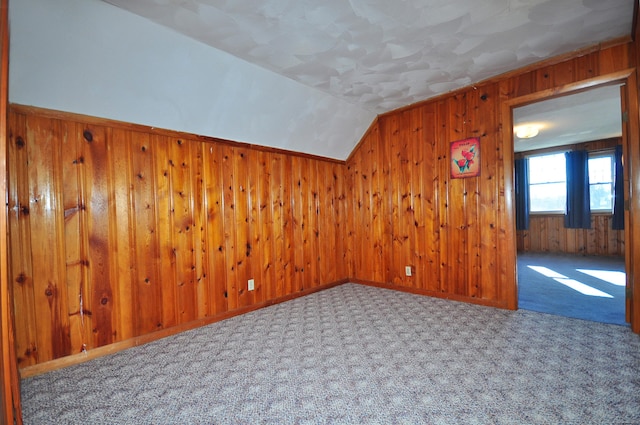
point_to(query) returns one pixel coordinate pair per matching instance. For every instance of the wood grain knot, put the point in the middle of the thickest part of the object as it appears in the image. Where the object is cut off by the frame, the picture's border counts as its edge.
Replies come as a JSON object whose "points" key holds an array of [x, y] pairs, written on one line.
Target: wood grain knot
{"points": [[20, 142], [88, 136], [104, 301]]}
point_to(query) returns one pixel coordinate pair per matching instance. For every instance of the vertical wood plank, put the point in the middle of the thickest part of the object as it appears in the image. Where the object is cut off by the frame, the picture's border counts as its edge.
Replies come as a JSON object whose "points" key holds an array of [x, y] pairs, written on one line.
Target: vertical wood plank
{"points": [[20, 259], [288, 226], [341, 220], [443, 140], [199, 236], [182, 228], [419, 255], [242, 201], [264, 231], [472, 195], [95, 203], [231, 282], [489, 194], [148, 286], [165, 213], [47, 227], [75, 231], [299, 223], [121, 210], [430, 199], [215, 228], [457, 203], [278, 216], [254, 240]]}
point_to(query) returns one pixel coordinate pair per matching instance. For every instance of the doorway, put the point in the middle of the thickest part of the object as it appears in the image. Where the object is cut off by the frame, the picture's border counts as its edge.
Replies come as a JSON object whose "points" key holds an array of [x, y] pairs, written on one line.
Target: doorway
{"points": [[558, 263]]}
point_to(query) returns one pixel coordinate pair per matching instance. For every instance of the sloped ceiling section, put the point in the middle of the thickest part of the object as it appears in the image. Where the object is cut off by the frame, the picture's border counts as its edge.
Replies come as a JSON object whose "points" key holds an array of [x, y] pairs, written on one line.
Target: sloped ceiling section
{"points": [[89, 57], [304, 75]]}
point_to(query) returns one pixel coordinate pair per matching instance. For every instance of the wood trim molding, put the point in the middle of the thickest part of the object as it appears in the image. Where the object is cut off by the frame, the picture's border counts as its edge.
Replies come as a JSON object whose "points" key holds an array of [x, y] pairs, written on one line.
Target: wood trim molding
{"points": [[11, 406], [433, 294], [603, 80]]}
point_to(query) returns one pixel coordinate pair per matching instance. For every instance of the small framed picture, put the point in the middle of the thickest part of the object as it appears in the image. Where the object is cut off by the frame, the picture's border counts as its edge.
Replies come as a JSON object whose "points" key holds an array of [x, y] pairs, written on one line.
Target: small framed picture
{"points": [[465, 158]]}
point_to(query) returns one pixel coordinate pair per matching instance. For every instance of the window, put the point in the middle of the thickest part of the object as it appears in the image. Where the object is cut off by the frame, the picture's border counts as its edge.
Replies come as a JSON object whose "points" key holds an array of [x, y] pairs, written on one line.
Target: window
{"points": [[601, 177], [547, 183]]}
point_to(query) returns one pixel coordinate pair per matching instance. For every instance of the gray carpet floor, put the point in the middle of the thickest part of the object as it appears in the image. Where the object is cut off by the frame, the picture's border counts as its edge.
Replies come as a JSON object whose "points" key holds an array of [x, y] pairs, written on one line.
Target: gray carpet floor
{"points": [[355, 354]]}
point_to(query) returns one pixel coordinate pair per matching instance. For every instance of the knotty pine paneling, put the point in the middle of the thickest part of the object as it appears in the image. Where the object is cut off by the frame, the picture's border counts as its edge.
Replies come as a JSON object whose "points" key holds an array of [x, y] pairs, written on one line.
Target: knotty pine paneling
{"points": [[547, 233], [456, 234], [441, 228], [117, 232]]}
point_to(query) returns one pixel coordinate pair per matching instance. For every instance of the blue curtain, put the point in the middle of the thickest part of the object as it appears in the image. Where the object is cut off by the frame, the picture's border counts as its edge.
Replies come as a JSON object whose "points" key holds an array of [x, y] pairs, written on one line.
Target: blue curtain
{"points": [[578, 213], [522, 193], [617, 222]]}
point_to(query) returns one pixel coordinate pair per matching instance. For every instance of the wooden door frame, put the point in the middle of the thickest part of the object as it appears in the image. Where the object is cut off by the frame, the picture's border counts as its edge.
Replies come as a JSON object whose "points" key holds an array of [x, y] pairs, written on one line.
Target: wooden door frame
{"points": [[627, 78], [11, 406]]}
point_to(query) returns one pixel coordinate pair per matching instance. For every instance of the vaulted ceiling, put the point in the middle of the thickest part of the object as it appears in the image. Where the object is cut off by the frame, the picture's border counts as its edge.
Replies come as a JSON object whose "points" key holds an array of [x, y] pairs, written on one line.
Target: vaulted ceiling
{"points": [[311, 75]]}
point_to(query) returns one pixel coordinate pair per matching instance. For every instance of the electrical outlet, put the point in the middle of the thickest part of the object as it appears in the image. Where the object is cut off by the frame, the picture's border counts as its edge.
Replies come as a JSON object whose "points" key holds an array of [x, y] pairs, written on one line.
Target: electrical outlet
{"points": [[251, 285], [407, 270]]}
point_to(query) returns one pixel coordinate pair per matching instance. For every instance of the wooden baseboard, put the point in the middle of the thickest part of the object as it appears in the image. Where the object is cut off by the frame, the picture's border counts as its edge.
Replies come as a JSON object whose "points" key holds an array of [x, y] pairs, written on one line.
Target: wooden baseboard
{"points": [[443, 295], [94, 353]]}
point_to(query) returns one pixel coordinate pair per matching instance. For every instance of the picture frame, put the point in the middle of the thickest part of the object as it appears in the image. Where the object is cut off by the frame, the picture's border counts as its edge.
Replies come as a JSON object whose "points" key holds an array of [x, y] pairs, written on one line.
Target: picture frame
{"points": [[465, 158]]}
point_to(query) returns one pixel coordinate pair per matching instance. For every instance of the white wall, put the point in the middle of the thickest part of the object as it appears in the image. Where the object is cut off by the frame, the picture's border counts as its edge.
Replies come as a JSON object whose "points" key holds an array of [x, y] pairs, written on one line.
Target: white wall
{"points": [[88, 57]]}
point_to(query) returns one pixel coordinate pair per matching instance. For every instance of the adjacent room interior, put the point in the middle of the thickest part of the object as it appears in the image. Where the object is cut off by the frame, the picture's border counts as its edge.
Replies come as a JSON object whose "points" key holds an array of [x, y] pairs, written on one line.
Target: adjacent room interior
{"points": [[308, 212], [572, 270]]}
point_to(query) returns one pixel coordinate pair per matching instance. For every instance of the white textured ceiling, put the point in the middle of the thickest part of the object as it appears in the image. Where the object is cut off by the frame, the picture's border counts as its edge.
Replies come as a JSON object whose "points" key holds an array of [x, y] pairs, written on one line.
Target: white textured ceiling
{"points": [[383, 54]]}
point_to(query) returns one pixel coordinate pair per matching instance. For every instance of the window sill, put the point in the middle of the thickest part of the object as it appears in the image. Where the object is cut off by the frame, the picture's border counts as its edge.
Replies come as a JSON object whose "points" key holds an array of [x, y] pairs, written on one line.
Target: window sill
{"points": [[546, 214], [560, 214]]}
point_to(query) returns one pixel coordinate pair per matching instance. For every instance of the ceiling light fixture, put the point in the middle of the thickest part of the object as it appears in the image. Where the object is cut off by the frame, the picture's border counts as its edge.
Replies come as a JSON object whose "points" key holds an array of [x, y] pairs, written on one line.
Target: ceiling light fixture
{"points": [[526, 131]]}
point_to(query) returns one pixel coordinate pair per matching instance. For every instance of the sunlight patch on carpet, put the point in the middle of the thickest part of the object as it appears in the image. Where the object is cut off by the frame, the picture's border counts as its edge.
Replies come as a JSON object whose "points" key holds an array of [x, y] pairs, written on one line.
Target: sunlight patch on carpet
{"points": [[571, 283], [613, 277], [545, 271]]}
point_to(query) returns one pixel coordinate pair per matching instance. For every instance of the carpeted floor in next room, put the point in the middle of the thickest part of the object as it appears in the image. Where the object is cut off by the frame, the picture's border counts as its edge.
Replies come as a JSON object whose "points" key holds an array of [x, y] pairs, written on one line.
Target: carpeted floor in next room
{"points": [[355, 354], [583, 287]]}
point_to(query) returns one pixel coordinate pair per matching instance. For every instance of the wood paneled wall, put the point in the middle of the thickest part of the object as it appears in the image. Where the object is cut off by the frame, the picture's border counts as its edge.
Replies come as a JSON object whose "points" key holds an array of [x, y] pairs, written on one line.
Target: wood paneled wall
{"points": [[408, 212], [457, 235], [547, 233], [117, 231]]}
